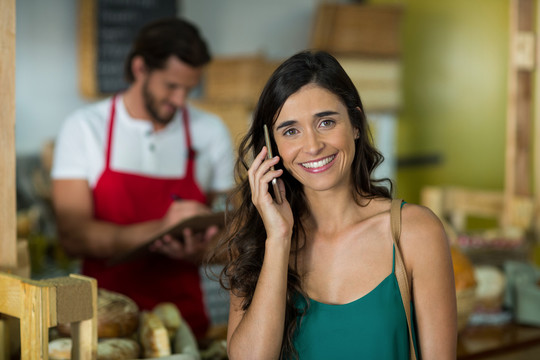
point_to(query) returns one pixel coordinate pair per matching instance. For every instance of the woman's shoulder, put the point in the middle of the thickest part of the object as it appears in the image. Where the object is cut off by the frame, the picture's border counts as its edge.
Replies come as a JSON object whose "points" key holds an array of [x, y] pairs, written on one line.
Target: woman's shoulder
{"points": [[419, 215], [421, 229], [420, 221]]}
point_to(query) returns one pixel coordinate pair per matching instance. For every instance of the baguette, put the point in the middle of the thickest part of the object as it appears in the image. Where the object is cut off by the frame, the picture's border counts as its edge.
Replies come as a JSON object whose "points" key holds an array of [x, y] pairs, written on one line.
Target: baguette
{"points": [[153, 336]]}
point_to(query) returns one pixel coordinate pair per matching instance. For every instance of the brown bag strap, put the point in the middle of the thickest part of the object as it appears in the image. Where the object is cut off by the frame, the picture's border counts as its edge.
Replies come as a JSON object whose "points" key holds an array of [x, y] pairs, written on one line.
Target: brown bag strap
{"points": [[399, 268]]}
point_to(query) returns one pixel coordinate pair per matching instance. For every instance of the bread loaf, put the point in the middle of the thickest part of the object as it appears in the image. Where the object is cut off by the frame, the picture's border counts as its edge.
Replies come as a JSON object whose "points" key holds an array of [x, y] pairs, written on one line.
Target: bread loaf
{"points": [[108, 349], [170, 316], [118, 316], [153, 336], [118, 349]]}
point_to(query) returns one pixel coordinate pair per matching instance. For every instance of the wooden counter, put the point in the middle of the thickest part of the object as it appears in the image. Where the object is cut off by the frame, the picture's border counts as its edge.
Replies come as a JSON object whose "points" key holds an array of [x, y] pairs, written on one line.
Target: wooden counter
{"points": [[504, 342]]}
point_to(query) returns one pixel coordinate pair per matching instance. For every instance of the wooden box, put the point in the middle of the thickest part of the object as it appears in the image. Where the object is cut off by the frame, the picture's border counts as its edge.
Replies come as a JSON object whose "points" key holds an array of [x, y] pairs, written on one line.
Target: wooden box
{"points": [[355, 29], [377, 81], [237, 79]]}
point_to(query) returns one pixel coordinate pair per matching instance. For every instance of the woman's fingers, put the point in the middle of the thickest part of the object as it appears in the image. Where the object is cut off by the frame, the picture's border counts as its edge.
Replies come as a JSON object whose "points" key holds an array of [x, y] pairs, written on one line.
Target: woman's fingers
{"points": [[260, 174]]}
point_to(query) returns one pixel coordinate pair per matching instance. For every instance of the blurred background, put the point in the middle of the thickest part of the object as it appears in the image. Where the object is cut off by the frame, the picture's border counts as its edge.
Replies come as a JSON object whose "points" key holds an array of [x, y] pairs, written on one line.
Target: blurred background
{"points": [[453, 66], [440, 89]]}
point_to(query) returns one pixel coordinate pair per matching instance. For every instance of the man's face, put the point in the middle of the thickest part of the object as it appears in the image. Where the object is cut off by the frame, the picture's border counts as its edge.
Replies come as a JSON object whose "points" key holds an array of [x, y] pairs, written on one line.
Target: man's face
{"points": [[166, 90]]}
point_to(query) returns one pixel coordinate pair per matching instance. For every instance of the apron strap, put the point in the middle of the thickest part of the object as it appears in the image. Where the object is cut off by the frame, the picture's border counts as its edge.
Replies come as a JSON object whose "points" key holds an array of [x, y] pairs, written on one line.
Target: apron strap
{"points": [[110, 133]]}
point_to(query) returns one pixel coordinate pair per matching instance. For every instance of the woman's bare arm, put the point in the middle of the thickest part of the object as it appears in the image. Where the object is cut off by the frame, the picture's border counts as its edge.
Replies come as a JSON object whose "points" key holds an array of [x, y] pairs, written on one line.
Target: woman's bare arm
{"points": [[257, 332], [428, 260]]}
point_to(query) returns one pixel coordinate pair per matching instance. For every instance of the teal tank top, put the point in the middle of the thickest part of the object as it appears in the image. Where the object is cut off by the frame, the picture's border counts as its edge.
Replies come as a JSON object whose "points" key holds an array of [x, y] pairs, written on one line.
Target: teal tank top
{"points": [[371, 327]]}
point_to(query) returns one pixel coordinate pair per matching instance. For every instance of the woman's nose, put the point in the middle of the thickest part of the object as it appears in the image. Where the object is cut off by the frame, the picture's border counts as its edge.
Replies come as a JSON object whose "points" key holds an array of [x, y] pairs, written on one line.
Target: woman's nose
{"points": [[313, 143]]}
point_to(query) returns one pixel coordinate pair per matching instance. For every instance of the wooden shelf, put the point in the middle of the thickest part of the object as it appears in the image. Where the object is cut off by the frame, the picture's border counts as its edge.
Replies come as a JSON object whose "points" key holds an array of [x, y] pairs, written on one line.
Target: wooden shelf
{"points": [[510, 341]]}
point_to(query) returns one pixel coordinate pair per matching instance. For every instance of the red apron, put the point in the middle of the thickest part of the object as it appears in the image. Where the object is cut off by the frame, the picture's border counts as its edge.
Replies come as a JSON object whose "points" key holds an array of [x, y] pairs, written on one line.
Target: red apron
{"points": [[124, 198]]}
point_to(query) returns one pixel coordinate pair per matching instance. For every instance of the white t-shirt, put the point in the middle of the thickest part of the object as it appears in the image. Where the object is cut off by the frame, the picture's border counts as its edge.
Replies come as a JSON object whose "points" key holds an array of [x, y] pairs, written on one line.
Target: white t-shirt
{"points": [[138, 149]]}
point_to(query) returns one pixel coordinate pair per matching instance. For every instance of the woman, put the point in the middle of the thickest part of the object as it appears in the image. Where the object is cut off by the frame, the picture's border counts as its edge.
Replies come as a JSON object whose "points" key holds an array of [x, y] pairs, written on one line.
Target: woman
{"points": [[313, 277]]}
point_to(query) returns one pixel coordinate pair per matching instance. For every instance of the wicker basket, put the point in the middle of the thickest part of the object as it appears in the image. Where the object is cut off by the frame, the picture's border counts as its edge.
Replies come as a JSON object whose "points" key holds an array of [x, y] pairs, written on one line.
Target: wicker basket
{"points": [[466, 301]]}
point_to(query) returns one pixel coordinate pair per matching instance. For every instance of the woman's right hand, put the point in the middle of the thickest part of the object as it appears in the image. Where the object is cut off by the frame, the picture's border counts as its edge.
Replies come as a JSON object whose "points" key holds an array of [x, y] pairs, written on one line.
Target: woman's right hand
{"points": [[277, 218]]}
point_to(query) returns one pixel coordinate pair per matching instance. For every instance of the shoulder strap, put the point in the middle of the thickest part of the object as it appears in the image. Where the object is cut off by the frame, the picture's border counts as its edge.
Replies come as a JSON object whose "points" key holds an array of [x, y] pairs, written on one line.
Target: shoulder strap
{"points": [[401, 272]]}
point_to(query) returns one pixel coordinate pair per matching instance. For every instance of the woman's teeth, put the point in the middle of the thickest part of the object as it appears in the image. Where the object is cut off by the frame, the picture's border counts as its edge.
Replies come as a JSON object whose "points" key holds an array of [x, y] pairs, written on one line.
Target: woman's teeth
{"points": [[317, 164]]}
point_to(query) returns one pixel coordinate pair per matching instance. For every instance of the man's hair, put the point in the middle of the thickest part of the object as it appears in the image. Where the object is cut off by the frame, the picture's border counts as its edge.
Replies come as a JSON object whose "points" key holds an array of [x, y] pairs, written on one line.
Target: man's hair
{"points": [[157, 41]]}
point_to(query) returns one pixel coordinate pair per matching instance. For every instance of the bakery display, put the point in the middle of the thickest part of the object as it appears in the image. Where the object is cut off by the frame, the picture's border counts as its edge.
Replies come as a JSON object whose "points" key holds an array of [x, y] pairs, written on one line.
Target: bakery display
{"points": [[107, 349], [125, 332], [118, 316], [118, 349]]}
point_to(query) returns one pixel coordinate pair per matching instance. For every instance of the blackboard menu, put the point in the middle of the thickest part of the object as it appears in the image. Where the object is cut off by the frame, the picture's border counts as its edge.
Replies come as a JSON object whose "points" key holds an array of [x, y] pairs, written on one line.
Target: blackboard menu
{"points": [[108, 30]]}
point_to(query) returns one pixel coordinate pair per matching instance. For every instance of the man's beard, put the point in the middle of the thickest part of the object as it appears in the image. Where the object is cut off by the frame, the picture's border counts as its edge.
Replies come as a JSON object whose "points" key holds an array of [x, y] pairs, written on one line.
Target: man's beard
{"points": [[150, 104]]}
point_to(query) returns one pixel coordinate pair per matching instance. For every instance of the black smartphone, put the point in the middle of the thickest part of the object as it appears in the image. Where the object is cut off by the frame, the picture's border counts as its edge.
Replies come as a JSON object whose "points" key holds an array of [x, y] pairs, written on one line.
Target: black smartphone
{"points": [[277, 194]]}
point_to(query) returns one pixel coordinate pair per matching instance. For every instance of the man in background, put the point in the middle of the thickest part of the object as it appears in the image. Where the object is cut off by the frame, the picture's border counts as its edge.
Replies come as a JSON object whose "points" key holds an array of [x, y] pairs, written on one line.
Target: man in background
{"points": [[129, 167]]}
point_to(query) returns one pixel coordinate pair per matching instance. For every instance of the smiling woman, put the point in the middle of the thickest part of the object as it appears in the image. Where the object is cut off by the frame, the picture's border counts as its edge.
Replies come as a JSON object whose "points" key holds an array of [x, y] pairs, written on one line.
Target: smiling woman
{"points": [[320, 139], [320, 265]]}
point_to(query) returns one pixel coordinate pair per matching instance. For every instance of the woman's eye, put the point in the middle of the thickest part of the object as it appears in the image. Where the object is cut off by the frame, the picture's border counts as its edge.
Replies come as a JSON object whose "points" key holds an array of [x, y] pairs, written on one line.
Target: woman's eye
{"points": [[327, 123], [290, 132]]}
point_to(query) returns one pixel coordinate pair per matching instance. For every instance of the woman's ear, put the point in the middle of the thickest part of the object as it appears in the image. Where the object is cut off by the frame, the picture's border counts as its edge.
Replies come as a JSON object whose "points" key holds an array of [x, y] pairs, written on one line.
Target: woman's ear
{"points": [[138, 67]]}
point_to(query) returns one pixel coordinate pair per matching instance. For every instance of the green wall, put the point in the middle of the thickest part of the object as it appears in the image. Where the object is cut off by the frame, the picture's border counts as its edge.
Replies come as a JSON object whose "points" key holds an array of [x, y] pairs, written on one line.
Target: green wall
{"points": [[454, 88]]}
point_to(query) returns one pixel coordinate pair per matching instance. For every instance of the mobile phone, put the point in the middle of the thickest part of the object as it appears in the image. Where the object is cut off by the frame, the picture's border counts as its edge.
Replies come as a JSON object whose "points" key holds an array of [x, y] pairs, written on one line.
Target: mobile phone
{"points": [[277, 194]]}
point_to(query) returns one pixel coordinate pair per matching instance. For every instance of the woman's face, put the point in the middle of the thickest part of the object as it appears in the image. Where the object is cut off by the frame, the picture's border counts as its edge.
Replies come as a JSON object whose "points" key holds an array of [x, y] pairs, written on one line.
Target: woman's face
{"points": [[315, 139]]}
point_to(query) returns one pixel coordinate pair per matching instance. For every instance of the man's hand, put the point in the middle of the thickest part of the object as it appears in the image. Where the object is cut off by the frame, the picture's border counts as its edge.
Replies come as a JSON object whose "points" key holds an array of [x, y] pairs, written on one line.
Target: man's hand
{"points": [[192, 247]]}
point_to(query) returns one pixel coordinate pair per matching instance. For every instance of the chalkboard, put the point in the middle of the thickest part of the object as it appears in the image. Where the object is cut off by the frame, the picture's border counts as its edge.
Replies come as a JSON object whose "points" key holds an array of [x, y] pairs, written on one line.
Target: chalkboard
{"points": [[108, 28]]}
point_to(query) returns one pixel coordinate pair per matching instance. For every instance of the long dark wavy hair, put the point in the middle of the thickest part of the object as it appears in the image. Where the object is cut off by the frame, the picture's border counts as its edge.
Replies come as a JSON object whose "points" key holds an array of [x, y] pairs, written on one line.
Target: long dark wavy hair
{"points": [[243, 243]]}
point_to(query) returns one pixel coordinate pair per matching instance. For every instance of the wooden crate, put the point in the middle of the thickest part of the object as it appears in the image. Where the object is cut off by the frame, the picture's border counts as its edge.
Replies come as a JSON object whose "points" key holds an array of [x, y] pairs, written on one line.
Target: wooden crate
{"points": [[43, 304], [355, 29], [459, 203], [378, 81], [237, 79]]}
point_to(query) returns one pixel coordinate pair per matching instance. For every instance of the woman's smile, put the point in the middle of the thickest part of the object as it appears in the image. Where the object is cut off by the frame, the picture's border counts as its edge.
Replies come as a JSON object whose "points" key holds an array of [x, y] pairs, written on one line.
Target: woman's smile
{"points": [[319, 165]]}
